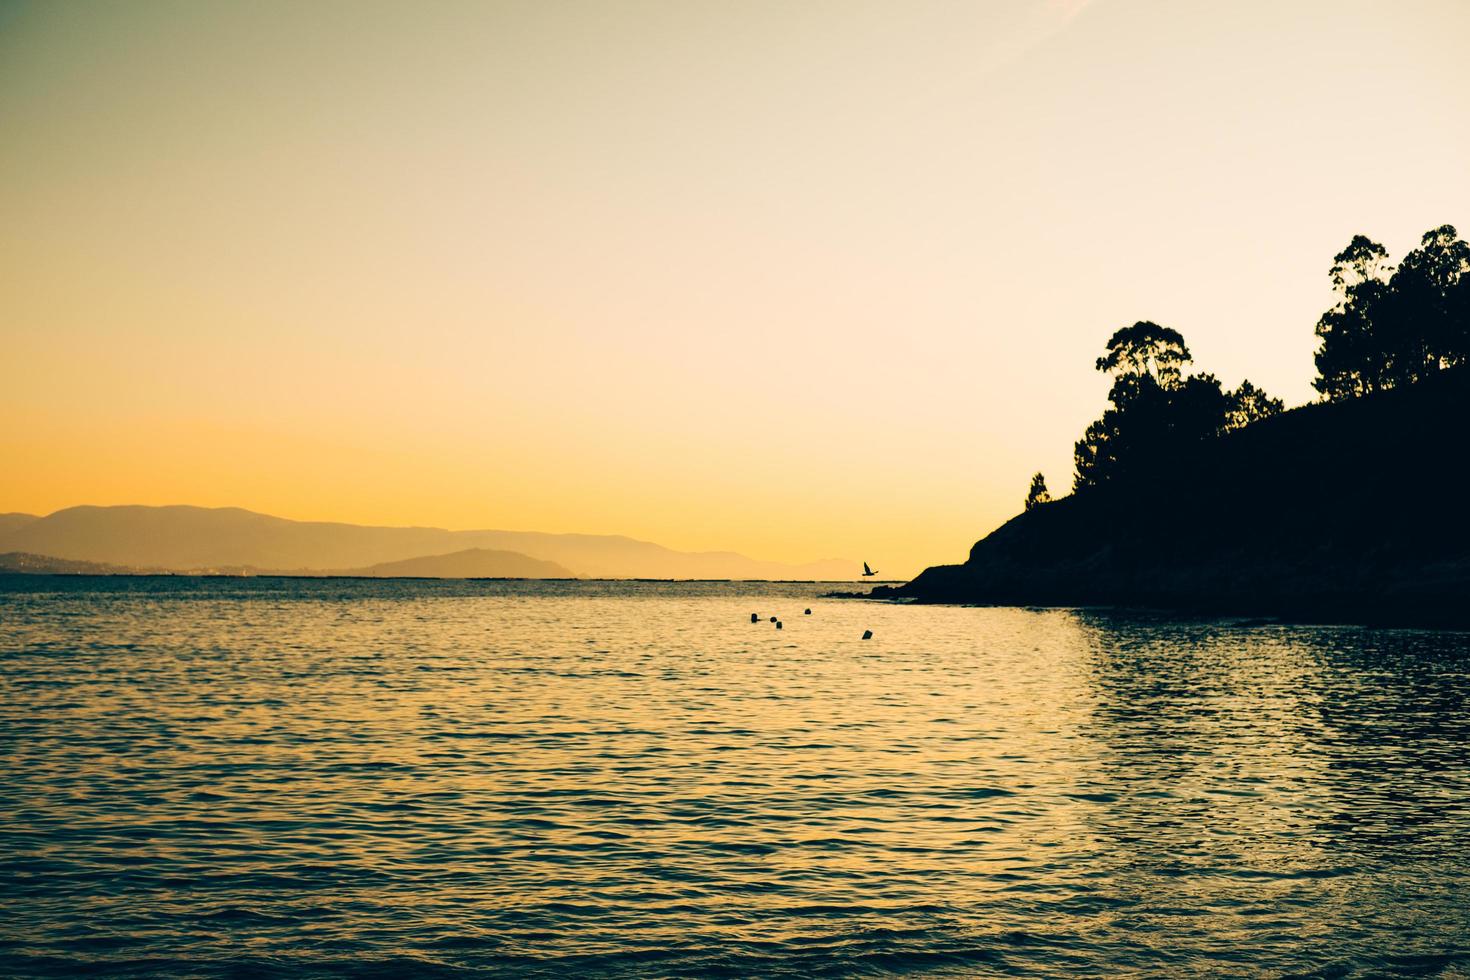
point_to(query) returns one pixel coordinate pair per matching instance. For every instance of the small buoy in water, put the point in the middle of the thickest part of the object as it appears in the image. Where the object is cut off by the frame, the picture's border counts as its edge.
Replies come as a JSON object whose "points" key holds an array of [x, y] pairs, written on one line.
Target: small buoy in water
{"points": [[773, 619], [867, 634], [754, 618], [807, 613], [778, 624]]}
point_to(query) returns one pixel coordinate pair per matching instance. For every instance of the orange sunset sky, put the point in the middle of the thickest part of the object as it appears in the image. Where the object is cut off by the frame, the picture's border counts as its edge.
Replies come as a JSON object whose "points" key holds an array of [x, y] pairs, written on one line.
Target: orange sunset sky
{"points": [[801, 280]]}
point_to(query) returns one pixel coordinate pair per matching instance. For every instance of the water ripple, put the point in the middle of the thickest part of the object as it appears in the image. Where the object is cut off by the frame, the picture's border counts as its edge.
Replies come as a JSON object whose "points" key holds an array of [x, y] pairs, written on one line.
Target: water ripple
{"points": [[228, 778]]}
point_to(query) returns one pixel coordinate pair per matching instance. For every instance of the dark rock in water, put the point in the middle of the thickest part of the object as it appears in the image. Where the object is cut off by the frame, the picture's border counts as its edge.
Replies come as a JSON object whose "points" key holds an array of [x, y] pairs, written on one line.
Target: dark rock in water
{"points": [[867, 634], [807, 613], [755, 618], [778, 624]]}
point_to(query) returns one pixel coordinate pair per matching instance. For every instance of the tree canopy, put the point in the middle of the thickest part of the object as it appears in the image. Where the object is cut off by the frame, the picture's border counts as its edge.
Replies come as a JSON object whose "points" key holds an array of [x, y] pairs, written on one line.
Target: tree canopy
{"points": [[1038, 494], [1146, 349], [1392, 325], [1156, 409]]}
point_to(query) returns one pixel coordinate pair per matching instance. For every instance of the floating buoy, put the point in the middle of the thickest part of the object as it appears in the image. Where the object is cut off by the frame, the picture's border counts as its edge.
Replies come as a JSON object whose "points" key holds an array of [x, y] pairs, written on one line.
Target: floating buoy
{"points": [[807, 613], [778, 624], [867, 634], [754, 618]]}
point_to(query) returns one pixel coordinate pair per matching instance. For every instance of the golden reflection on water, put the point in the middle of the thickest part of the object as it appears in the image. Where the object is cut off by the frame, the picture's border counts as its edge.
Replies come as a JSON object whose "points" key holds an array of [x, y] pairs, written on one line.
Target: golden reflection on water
{"points": [[525, 778]]}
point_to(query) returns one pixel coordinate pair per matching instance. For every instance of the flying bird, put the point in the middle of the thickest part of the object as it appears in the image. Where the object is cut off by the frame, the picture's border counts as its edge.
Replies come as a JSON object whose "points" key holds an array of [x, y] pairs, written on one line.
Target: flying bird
{"points": [[868, 572]]}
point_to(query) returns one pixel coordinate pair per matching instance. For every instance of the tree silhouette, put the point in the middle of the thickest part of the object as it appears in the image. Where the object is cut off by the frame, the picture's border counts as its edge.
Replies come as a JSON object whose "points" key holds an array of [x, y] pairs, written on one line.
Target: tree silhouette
{"points": [[1146, 350], [1251, 404], [1352, 360], [1423, 317], [1394, 326], [1156, 410], [1146, 361], [1038, 493], [1362, 261]]}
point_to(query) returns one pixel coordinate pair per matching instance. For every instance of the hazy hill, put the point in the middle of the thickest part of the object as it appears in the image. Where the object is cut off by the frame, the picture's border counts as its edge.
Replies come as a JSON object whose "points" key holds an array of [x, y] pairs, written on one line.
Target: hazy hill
{"points": [[470, 563], [1351, 511], [184, 537], [10, 522]]}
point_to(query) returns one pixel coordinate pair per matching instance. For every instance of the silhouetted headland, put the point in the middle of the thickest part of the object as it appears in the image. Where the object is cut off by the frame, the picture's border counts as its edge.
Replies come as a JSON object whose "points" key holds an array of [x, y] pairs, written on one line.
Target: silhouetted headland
{"points": [[1187, 497]]}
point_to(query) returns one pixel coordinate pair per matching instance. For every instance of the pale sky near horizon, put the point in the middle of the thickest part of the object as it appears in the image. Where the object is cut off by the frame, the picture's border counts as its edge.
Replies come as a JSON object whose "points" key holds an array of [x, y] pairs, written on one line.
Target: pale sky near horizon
{"points": [[801, 280]]}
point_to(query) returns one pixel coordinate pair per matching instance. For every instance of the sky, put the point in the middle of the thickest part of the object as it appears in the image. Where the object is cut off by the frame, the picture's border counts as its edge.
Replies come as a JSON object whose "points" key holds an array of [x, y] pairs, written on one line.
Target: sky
{"points": [[802, 280]]}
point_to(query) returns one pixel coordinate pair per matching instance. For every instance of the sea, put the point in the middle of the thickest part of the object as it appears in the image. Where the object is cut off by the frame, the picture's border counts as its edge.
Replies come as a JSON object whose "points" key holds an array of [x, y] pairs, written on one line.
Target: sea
{"points": [[234, 777]]}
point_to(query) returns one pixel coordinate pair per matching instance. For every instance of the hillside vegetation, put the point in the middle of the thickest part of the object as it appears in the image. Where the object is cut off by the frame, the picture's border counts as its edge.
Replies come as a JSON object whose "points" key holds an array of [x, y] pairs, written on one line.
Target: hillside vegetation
{"points": [[1352, 511], [1187, 496]]}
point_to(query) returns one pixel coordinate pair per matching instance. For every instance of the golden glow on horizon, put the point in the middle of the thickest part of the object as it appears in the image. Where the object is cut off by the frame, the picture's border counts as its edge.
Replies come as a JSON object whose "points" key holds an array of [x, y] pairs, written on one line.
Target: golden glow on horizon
{"points": [[802, 282]]}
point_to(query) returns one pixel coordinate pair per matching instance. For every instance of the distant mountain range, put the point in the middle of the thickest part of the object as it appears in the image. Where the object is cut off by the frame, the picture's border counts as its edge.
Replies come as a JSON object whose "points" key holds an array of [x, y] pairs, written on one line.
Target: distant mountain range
{"points": [[232, 540], [470, 563]]}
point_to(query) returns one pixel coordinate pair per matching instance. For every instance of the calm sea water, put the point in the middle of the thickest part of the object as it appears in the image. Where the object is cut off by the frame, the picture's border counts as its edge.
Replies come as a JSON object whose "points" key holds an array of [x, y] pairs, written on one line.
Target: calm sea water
{"points": [[226, 778]]}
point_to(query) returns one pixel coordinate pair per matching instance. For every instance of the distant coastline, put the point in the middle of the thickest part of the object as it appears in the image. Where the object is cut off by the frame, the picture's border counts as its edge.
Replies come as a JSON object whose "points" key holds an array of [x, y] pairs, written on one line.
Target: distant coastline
{"points": [[22, 566]]}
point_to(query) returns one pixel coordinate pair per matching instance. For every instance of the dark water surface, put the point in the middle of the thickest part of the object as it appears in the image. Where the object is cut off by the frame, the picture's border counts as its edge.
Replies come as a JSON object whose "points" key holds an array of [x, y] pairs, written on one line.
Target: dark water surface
{"points": [[224, 778]]}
